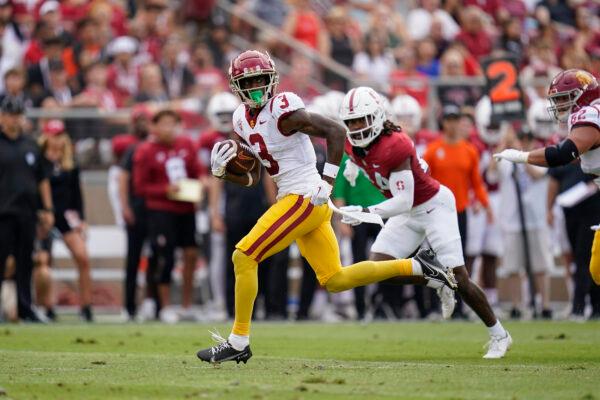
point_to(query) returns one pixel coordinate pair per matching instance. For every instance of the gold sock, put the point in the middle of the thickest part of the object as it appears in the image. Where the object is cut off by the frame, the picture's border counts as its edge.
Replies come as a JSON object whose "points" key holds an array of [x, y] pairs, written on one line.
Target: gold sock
{"points": [[246, 289], [367, 272], [595, 260]]}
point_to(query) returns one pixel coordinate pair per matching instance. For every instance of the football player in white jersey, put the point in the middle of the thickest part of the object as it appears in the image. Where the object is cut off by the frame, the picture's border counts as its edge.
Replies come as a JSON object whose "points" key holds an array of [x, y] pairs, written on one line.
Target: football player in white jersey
{"points": [[276, 127], [575, 98]]}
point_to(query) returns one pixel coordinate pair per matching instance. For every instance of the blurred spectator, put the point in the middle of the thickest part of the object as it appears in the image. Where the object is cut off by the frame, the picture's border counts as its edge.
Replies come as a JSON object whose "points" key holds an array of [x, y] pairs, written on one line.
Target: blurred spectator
{"points": [[221, 46], [385, 22], [58, 87], [177, 77], [560, 11], [110, 18], [453, 67], [123, 75], [90, 45], [527, 182], [587, 34], [473, 33], [375, 63], [343, 46], [14, 86], [298, 80], [419, 21], [159, 165], [305, 25], [427, 61], [151, 85], [50, 16], [208, 78], [511, 39], [149, 26], [68, 205], [38, 74], [135, 217], [12, 41], [578, 217], [95, 92], [407, 78], [24, 182]]}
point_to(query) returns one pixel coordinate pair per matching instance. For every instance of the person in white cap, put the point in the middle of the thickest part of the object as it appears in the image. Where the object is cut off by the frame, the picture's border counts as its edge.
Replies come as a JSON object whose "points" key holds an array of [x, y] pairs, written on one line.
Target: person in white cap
{"points": [[123, 74]]}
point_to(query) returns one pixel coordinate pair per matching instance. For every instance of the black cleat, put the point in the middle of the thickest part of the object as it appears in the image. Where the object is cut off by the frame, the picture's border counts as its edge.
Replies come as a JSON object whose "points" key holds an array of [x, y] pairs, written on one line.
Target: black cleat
{"points": [[434, 271], [224, 351], [86, 313]]}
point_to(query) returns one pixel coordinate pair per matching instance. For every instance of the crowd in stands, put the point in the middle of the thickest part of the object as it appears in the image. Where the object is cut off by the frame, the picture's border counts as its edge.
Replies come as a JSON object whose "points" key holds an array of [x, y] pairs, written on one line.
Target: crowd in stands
{"points": [[151, 55]]}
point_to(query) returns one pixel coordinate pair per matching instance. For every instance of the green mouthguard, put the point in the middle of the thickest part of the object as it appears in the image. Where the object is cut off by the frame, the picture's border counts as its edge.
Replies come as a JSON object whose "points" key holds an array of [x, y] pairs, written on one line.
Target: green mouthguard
{"points": [[256, 96]]}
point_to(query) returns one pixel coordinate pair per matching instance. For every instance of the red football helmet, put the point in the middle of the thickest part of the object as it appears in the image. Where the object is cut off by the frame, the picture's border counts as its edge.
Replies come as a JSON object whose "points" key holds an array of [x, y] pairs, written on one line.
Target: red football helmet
{"points": [[250, 64], [570, 90]]}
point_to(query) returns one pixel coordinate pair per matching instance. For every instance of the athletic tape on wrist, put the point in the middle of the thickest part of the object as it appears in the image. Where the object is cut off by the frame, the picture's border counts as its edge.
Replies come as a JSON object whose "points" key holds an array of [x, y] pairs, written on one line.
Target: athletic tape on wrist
{"points": [[330, 170]]}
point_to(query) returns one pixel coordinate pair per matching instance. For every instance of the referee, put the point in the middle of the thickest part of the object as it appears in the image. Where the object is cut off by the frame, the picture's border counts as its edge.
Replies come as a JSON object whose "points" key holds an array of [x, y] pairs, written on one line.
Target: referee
{"points": [[24, 180]]}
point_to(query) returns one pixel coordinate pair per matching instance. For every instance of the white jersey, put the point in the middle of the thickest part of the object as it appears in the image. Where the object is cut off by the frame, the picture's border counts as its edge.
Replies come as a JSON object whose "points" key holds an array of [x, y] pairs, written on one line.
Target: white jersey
{"points": [[589, 115], [289, 159]]}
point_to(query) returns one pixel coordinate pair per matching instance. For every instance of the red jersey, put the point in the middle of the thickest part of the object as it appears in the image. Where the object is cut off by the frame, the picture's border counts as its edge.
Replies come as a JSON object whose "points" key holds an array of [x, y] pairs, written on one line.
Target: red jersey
{"points": [[158, 165], [206, 142], [384, 156]]}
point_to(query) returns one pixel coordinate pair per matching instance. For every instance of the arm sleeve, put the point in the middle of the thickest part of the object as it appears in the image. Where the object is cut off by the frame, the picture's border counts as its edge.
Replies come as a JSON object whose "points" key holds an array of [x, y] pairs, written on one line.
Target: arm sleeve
{"points": [[142, 177], [476, 179], [77, 198], [402, 186]]}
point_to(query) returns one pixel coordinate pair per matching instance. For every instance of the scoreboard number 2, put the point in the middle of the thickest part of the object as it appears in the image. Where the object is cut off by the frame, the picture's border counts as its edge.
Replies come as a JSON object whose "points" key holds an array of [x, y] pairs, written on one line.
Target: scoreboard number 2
{"points": [[504, 75]]}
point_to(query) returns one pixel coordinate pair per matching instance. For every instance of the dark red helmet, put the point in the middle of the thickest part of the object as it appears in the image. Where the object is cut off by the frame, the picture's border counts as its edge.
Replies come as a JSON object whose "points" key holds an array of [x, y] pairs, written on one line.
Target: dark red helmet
{"points": [[250, 64], [570, 90]]}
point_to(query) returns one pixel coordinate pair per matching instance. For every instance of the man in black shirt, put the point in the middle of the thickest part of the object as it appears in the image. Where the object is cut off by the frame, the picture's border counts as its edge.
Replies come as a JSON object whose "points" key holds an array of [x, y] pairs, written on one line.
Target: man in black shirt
{"points": [[24, 180]]}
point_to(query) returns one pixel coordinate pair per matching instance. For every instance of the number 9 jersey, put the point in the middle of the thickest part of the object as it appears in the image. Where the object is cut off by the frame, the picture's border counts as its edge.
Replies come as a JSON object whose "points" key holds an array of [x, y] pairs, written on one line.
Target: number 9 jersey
{"points": [[289, 158]]}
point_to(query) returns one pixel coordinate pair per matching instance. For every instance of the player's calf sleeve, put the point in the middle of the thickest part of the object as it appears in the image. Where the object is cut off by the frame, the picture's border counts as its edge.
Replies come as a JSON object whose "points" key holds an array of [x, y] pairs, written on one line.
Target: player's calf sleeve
{"points": [[595, 260], [246, 289], [367, 272]]}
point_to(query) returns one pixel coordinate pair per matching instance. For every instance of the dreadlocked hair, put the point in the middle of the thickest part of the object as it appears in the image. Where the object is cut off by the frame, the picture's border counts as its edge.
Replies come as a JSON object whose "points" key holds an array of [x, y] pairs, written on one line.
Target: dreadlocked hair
{"points": [[389, 127]]}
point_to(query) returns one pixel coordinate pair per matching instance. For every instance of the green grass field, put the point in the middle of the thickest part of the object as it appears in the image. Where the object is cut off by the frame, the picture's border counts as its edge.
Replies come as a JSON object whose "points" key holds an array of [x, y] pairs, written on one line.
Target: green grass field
{"points": [[300, 361]]}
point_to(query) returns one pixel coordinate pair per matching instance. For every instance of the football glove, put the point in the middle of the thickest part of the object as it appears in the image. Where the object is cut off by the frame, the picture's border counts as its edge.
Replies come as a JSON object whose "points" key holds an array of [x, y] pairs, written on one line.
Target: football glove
{"points": [[320, 194], [346, 219], [512, 155], [351, 172], [221, 154]]}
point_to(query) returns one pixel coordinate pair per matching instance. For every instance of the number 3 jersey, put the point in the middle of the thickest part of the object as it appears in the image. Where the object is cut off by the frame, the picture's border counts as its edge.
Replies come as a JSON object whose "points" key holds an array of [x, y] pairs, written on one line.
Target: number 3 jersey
{"points": [[289, 158], [590, 116], [385, 155]]}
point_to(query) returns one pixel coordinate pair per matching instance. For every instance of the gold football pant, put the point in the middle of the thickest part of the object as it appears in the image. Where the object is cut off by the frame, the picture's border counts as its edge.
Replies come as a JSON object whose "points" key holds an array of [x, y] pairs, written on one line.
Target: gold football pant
{"points": [[595, 260], [294, 218]]}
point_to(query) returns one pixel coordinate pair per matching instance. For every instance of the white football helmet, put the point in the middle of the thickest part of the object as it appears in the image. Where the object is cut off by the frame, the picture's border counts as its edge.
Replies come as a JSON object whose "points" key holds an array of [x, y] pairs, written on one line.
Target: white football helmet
{"points": [[483, 120], [407, 113], [363, 102], [542, 124], [220, 110]]}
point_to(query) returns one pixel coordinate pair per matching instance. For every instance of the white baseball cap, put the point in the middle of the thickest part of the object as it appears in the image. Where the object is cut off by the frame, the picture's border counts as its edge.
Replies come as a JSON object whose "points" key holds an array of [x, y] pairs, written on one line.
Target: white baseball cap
{"points": [[49, 6], [123, 44]]}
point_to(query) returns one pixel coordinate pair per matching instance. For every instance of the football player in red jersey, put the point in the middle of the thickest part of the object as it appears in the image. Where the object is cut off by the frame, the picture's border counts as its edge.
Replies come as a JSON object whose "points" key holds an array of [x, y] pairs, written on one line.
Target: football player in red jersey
{"points": [[575, 98], [417, 208], [160, 163]]}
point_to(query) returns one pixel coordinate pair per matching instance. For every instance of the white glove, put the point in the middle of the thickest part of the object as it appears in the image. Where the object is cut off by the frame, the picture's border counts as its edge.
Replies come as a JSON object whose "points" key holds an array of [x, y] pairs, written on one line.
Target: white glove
{"points": [[221, 154], [512, 155], [320, 194], [595, 227], [351, 172], [346, 219]]}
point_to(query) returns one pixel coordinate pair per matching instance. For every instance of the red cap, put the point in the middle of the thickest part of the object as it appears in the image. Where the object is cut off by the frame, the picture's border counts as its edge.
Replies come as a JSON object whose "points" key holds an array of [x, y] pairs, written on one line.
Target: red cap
{"points": [[121, 143], [140, 110], [53, 127]]}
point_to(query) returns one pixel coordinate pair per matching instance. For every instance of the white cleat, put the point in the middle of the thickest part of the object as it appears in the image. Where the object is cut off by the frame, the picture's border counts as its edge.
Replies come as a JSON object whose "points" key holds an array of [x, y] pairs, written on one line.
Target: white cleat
{"points": [[448, 301], [147, 310], [498, 346]]}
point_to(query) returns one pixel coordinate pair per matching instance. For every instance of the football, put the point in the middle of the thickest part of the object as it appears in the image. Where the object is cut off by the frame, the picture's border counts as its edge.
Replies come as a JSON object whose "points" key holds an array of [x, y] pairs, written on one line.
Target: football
{"points": [[244, 161]]}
